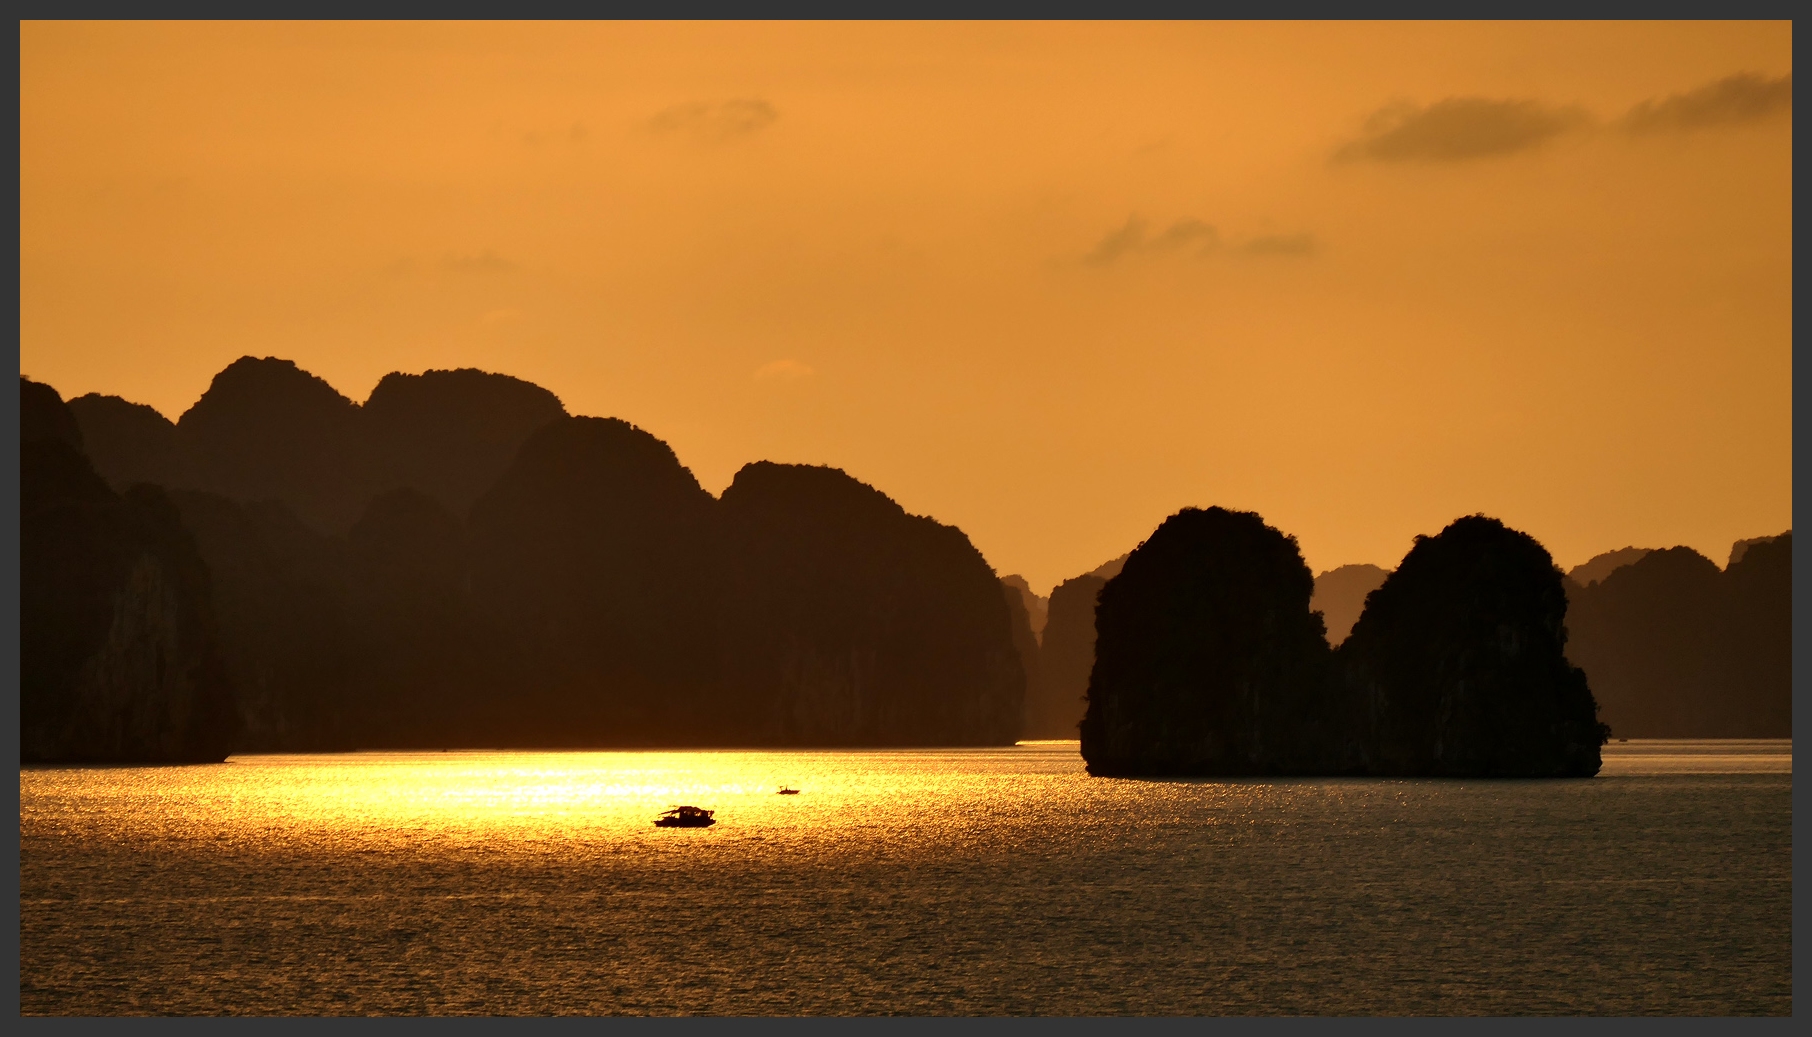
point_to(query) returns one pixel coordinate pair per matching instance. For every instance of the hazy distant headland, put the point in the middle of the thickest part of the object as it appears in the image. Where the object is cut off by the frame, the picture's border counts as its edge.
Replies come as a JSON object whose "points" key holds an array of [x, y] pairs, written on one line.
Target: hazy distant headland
{"points": [[1678, 648], [460, 562]]}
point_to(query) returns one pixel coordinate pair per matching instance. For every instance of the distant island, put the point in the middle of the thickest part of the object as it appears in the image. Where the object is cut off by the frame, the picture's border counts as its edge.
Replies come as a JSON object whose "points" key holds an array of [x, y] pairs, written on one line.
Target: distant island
{"points": [[1678, 648], [1340, 597]]}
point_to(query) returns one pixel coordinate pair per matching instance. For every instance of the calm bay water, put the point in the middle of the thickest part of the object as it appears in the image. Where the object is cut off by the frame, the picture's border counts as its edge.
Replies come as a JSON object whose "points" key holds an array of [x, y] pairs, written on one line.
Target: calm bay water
{"points": [[924, 882]]}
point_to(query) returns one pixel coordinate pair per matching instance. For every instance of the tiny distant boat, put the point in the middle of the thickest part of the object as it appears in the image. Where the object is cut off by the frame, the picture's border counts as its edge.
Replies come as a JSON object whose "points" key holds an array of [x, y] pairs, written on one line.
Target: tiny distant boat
{"points": [[685, 817], [784, 791]]}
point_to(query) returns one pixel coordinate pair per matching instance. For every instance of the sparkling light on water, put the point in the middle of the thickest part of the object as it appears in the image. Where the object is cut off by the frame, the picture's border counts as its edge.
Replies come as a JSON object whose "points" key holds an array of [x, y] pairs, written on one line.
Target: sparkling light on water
{"points": [[959, 881]]}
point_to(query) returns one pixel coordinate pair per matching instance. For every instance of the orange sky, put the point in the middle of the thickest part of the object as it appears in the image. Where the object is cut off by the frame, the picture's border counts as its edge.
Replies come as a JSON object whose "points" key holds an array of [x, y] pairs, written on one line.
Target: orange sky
{"points": [[1452, 268]]}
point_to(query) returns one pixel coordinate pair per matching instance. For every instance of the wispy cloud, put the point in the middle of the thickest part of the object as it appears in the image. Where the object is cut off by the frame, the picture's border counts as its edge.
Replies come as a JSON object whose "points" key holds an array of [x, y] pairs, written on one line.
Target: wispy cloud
{"points": [[1463, 128], [1460, 128], [787, 370], [714, 121], [1733, 100], [1189, 237], [1135, 237]]}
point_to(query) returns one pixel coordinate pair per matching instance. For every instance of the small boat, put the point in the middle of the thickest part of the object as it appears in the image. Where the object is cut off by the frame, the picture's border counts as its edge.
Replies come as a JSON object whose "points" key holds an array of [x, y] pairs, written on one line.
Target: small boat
{"points": [[784, 791], [685, 817]]}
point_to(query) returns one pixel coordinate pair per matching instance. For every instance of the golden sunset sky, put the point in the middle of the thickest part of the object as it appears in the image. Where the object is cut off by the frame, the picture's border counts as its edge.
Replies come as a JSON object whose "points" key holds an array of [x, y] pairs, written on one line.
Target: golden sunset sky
{"points": [[1047, 282]]}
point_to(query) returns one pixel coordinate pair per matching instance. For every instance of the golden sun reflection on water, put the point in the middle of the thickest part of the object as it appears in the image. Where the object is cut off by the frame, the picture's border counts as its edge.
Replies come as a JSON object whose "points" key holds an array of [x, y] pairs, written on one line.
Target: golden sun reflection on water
{"points": [[492, 797], [968, 881], [489, 797]]}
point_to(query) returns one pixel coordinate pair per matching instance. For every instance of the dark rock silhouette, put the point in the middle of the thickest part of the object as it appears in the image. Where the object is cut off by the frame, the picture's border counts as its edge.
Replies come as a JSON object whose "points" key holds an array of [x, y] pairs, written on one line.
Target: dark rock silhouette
{"points": [[1109, 569], [432, 669], [372, 640], [268, 430], [281, 592], [1209, 661], [1603, 565], [1758, 628], [1340, 597], [1066, 654], [1207, 658], [128, 443], [1037, 608], [1678, 649], [1025, 643], [1647, 635], [44, 416], [852, 622], [596, 550], [584, 603], [1741, 547], [451, 434], [118, 661], [1065, 658], [1458, 664]]}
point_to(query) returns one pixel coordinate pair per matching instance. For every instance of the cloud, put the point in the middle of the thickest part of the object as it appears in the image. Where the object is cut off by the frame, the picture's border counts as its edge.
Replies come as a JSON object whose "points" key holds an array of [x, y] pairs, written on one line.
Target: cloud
{"points": [[486, 262], [1460, 128], [1184, 233], [1189, 235], [1733, 100], [714, 122], [787, 370], [1134, 237], [1280, 245]]}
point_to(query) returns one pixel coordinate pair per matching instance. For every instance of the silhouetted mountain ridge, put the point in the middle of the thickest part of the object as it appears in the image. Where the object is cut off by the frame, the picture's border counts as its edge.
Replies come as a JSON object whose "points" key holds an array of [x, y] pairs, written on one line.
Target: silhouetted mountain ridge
{"points": [[458, 562], [1680, 649], [857, 623], [1340, 596], [267, 430], [1603, 565]]}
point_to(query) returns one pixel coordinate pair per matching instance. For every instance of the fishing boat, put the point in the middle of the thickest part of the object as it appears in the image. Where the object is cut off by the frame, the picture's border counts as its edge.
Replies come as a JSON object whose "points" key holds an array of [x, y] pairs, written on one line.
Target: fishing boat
{"points": [[784, 791], [685, 817]]}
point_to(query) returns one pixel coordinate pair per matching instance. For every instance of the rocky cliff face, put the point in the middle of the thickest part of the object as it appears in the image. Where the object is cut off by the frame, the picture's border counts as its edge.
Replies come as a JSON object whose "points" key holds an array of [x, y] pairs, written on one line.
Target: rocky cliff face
{"points": [[451, 434], [1025, 643], [1207, 657], [119, 661], [1340, 597], [1758, 625], [1037, 608], [1066, 657], [1676, 648], [1457, 667], [592, 593], [128, 443], [1600, 566], [1209, 661], [850, 622], [596, 552], [268, 430]]}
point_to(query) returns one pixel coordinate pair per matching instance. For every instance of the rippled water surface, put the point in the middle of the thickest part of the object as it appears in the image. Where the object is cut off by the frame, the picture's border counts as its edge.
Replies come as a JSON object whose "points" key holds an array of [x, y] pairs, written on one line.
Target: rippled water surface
{"points": [[925, 882]]}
